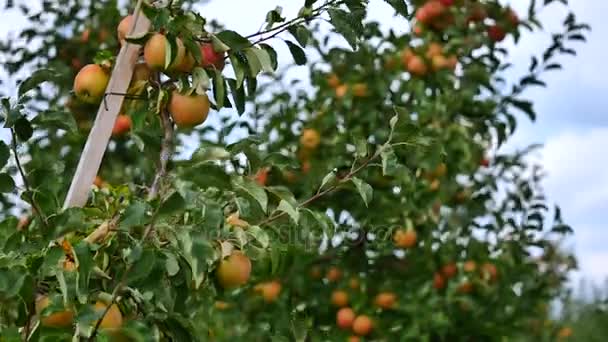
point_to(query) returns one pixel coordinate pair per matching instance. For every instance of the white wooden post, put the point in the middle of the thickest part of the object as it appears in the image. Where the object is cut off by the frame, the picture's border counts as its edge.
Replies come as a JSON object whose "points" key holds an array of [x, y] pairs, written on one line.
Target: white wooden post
{"points": [[100, 134]]}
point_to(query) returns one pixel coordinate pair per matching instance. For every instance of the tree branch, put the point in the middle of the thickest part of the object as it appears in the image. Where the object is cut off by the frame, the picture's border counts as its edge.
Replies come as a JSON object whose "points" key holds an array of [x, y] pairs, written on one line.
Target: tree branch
{"points": [[315, 13], [166, 151], [35, 208], [332, 188]]}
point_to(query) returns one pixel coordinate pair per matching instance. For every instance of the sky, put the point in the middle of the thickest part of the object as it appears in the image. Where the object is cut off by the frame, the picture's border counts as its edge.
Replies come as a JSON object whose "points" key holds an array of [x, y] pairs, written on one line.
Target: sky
{"points": [[572, 112]]}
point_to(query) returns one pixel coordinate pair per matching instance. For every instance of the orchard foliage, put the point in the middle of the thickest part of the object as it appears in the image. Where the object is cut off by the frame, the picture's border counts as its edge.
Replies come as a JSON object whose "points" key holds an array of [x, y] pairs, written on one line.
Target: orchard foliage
{"points": [[370, 203]]}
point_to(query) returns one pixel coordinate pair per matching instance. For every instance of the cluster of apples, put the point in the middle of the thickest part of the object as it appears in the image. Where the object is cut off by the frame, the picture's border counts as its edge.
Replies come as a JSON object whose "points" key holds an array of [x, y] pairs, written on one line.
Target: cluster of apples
{"points": [[346, 317], [112, 321], [187, 110], [487, 271], [437, 15], [419, 63]]}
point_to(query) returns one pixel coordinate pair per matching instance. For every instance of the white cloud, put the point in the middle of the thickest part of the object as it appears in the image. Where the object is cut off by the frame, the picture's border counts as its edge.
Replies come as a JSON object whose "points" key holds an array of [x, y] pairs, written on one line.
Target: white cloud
{"points": [[577, 181], [576, 164]]}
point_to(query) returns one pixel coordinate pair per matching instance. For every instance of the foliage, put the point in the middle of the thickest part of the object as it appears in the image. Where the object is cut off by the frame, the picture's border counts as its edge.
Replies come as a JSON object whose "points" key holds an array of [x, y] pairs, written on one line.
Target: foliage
{"points": [[383, 180]]}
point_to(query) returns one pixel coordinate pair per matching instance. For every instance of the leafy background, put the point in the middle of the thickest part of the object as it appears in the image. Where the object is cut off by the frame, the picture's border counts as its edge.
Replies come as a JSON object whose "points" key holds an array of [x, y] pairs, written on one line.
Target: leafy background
{"points": [[572, 133], [572, 125]]}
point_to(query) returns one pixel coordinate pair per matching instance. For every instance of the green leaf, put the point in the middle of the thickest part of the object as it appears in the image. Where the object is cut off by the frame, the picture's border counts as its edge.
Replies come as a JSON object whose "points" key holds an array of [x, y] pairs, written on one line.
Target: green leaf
{"points": [[260, 235], [198, 252], [11, 281], [200, 80], [301, 34], [142, 267], [23, 129], [37, 78], [253, 189], [399, 6], [390, 162], [134, 215], [274, 16], [234, 40], [298, 54], [6, 183], [346, 24], [172, 204], [365, 190], [254, 64], [5, 154], [272, 54], [329, 179], [219, 45], [56, 119], [219, 88], [290, 210], [264, 59], [524, 106], [210, 153], [171, 264], [238, 95], [85, 262], [239, 69]]}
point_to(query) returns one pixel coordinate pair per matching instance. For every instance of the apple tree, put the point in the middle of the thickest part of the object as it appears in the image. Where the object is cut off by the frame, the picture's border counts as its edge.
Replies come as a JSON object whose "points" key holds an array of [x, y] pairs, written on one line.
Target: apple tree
{"points": [[367, 200]]}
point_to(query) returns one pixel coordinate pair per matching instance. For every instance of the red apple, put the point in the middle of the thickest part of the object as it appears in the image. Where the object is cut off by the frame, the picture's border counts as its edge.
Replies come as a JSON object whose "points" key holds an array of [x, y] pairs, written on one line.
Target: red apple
{"points": [[211, 58]]}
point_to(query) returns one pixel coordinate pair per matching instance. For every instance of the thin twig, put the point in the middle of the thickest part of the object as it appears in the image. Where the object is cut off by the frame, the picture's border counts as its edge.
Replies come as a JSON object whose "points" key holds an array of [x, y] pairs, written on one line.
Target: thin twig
{"points": [[166, 151], [318, 195], [314, 13], [35, 208]]}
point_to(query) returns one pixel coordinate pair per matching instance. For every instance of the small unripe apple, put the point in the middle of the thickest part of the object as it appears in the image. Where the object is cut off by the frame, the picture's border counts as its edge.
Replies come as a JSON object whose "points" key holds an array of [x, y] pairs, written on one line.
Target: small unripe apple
{"points": [[333, 81], [339, 298], [438, 281], [333, 274], [434, 9], [434, 49], [469, 266], [439, 62], [211, 58], [270, 291], [406, 56], [496, 33], [449, 270], [489, 271], [341, 91], [234, 270], [188, 110], [310, 139], [90, 83], [416, 66], [122, 125], [155, 52], [362, 325], [112, 319], [385, 300], [405, 238], [124, 28], [59, 319], [360, 90], [345, 318]]}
